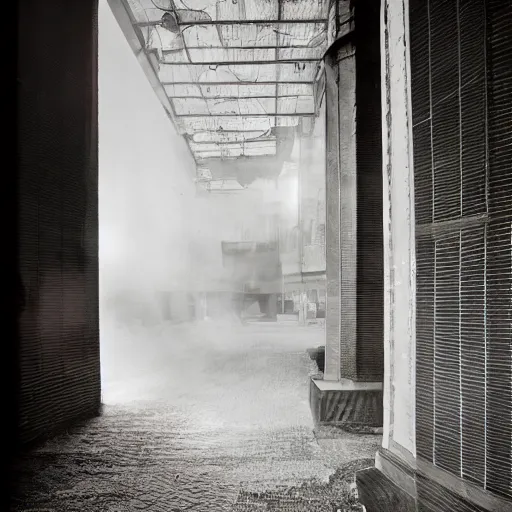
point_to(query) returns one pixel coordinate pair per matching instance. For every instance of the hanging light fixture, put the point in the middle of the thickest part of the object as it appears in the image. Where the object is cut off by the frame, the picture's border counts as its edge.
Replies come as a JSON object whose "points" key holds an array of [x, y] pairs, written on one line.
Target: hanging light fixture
{"points": [[170, 22]]}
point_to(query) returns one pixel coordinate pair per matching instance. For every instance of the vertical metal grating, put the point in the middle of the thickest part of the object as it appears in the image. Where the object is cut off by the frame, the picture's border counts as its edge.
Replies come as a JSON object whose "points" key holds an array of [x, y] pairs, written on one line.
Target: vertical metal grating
{"points": [[499, 247], [461, 56], [354, 247]]}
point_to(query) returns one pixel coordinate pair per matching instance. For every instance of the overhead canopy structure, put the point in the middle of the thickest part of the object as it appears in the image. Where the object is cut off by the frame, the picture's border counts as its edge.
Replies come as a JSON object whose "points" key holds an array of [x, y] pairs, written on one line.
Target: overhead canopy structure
{"points": [[238, 77]]}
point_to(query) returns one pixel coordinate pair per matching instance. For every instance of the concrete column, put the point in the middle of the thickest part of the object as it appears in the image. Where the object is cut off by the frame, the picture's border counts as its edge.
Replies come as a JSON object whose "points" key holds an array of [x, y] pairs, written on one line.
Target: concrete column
{"points": [[272, 306], [352, 383], [354, 200]]}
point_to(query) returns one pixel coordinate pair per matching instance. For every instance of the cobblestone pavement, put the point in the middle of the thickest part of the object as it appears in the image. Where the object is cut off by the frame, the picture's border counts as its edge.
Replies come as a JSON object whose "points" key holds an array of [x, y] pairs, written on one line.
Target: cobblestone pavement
{"points": [[210, 419]]}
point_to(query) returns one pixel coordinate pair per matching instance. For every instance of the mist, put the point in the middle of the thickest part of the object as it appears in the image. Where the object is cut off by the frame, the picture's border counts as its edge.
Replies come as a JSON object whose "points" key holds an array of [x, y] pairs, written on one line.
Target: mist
{"points": [[161, 241], [148, 216]]}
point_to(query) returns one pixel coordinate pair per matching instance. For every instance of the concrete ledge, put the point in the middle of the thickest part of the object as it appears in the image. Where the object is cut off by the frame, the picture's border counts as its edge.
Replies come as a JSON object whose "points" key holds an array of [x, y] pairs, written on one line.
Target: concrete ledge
{"points": [[394, 486], [346, 402], [288, 318], [379, 494]]}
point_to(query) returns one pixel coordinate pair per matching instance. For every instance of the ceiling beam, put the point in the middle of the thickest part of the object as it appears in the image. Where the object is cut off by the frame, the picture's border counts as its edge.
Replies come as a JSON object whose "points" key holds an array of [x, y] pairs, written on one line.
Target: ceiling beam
{"points": [[217, 153], [205, 130], [268, 144], [239, 62], [203, 161], [271, 82], [267, 114], [237, 22], [237, 98], [252, 47]]}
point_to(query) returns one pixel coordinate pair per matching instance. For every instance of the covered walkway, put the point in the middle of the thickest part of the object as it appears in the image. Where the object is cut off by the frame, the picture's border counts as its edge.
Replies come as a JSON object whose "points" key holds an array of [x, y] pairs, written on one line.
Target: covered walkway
{"points": [[228, 431], [240, 80]]}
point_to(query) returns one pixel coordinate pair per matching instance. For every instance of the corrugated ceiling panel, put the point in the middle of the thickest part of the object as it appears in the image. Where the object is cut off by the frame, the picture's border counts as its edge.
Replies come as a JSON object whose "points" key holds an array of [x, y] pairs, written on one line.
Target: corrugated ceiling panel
{"points": [[211, 107], [192, 125], [303, 53], [237, 152], [220, 136], [243, 9], [198, 55], [224, 55], [263, 144], [303, 105], [303, 9], [228, 123], [235, 41], [241, 91]]}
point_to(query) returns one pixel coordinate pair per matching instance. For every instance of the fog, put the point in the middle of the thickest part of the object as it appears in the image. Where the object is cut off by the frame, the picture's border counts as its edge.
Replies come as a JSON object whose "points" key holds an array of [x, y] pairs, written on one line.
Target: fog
{"points": [[160, 242], [155, 234]]}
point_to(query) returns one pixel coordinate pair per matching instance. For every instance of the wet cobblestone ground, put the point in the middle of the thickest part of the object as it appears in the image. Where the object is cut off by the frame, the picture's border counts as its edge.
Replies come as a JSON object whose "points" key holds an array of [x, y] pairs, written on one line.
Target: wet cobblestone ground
{"points": [[210, 419]]}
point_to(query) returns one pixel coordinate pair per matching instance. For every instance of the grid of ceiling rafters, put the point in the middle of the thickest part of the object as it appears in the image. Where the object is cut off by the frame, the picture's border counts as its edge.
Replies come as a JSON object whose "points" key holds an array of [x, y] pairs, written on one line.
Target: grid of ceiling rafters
{"points": [[234, 70]]}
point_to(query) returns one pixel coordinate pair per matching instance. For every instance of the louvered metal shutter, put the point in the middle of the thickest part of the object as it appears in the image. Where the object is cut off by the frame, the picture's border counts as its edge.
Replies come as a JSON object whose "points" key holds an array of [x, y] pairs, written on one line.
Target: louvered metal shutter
{"points": [[370, 260], [58, 215], [461, 57]]}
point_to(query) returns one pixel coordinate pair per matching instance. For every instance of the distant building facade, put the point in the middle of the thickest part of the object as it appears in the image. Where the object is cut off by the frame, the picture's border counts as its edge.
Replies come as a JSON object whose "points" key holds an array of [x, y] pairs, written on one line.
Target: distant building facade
{"points": [[302, 237]]}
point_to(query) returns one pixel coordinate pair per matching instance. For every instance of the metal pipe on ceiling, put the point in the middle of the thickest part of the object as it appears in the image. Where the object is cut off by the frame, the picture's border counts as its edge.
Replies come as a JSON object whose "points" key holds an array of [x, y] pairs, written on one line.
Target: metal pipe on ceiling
{"points": [[237, 98], [252, 47], [266, 114], [276, 52], [221, 131], [233, 143], [272, 82], [239, 62], [320, 21]]}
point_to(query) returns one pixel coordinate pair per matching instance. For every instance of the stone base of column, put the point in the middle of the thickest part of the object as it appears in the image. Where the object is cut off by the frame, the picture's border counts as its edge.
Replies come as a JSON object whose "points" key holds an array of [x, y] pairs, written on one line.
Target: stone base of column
{"points": [[346, 403]]}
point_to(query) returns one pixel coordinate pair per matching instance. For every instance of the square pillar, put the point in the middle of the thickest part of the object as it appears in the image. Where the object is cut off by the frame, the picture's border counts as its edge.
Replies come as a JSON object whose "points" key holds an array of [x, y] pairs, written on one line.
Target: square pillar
{"points": [[354, 249]]}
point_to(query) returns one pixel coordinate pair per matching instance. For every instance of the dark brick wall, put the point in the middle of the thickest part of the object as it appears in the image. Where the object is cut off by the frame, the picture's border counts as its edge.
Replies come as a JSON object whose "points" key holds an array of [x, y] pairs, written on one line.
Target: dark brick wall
{"points": [[370, 260], [57, 219]]}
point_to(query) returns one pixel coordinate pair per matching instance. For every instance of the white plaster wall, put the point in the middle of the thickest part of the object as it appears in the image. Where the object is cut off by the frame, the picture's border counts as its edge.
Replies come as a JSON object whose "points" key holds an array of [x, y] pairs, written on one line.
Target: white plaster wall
{"points": [[146, 188], [399, 232]]}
